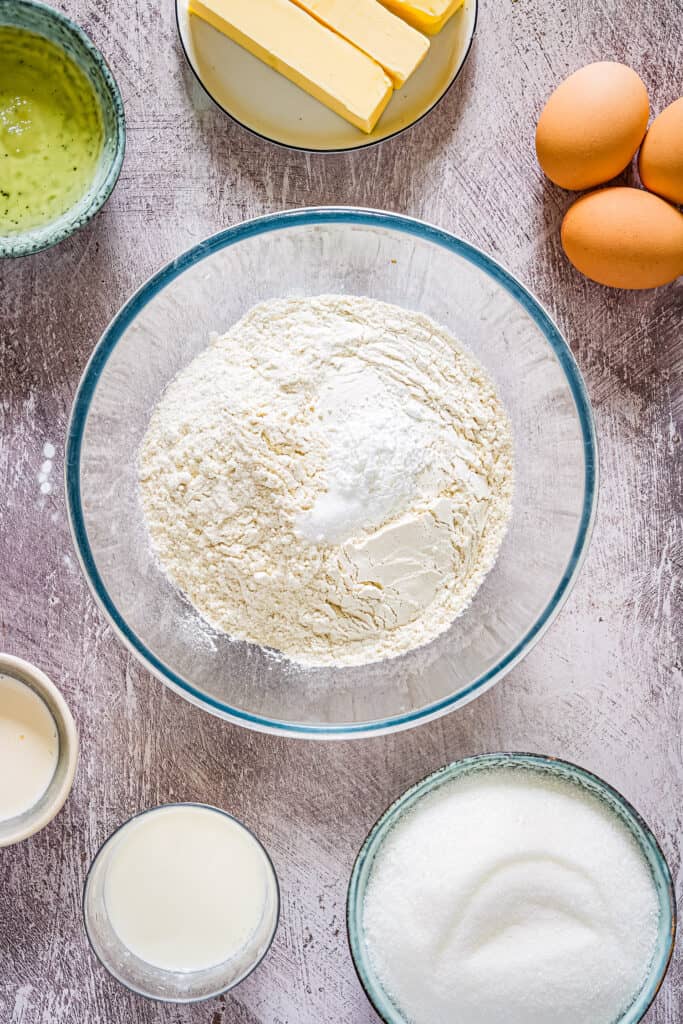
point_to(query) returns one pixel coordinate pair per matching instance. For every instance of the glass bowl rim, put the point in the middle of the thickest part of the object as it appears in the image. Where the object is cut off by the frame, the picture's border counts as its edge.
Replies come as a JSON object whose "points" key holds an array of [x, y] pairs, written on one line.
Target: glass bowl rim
{"points": [[317, 149], [110, 838], [306, 217], [36, 240], [431, 782]]}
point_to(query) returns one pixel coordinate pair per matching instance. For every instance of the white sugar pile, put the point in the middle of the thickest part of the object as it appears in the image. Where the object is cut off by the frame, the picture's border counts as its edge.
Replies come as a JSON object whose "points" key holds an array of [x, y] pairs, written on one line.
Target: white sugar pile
{"points": [[510, 898]]}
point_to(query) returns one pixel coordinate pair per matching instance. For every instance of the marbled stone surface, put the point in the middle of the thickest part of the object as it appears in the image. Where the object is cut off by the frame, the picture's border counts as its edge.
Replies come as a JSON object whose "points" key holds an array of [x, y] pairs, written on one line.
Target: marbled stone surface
{"points": [[603, 687]]}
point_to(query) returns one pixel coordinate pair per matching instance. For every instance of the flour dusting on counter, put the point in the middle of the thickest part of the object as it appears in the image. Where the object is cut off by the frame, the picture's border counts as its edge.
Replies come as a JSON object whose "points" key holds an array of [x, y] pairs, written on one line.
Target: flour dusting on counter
{"points": [[332, 478]]}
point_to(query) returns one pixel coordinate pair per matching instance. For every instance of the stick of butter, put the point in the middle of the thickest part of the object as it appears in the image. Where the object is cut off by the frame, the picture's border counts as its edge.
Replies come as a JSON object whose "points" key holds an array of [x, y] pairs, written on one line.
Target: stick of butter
{"points": [[309, 54], [374, 30], [429, 16]]}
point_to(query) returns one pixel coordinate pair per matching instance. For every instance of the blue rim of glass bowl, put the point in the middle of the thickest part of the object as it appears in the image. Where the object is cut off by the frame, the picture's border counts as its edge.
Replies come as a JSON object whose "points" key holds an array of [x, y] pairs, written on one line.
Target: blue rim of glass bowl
{"points": [[110, 838], [362, 868], [313, 149], [302, 218], [21, 244]]}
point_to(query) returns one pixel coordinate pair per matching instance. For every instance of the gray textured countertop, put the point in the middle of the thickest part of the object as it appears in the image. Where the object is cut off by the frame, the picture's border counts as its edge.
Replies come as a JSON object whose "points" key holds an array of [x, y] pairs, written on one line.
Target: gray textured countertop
{"points": [[603, 687]]}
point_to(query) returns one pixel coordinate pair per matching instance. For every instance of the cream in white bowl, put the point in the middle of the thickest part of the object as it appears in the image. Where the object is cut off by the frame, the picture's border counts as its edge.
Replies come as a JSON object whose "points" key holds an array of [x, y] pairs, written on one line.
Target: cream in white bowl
{"points": [[38, 750]]}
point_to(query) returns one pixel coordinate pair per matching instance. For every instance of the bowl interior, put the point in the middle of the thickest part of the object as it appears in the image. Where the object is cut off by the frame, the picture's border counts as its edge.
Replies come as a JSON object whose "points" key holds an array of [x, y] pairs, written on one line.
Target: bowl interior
{"points": [[307, 253], [44, 21], [528, 762]]}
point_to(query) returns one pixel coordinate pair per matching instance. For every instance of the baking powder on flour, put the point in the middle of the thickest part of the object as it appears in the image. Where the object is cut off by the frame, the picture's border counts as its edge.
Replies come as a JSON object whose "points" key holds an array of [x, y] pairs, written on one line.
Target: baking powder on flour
{"points": [[332, 478]]}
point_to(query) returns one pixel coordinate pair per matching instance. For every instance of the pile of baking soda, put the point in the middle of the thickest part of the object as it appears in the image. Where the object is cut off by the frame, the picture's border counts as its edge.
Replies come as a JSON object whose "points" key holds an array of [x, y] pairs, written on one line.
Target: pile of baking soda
{"points": [[332, 478]]}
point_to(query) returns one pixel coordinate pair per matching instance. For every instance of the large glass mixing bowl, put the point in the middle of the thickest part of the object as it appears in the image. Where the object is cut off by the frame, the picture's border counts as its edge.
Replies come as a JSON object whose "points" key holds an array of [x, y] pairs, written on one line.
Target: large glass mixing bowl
{"points": [[309, 252]]}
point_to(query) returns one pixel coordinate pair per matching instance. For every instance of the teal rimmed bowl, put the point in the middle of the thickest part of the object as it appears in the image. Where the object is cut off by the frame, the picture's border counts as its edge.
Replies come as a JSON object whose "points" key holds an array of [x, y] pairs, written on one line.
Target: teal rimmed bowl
{"points": [[386, 257], [58, 29], [597, 787]]}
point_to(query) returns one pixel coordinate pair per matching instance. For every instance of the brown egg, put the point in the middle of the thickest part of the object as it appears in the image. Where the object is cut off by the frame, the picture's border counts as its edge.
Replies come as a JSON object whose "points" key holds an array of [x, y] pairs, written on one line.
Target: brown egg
{"points": [[592, 125], [661, 156], [625, 238]]}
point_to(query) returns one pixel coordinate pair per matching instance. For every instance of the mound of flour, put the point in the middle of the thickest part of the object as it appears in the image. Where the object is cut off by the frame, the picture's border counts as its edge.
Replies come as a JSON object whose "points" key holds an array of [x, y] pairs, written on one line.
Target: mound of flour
{"points": [[332, 478]]}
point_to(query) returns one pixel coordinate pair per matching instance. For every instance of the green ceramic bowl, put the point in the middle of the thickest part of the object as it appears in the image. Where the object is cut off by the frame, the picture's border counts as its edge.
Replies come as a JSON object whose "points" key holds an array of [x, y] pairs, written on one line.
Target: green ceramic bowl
{"points": [[60, 30]]}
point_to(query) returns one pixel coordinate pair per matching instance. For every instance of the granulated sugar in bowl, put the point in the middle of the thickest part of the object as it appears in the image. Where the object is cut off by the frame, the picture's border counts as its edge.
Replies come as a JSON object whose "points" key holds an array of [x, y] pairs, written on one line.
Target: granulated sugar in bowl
{"points": [[509, 889]]}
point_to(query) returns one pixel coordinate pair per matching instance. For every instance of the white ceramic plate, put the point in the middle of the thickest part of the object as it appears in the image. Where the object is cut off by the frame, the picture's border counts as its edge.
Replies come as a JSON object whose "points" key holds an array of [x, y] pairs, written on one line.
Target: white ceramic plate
{"points": [[269, 105]]}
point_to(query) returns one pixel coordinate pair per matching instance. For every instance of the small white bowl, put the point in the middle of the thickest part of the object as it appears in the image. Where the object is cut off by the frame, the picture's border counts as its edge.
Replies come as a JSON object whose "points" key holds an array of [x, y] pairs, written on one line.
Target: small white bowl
{"points": [[13, 830]]}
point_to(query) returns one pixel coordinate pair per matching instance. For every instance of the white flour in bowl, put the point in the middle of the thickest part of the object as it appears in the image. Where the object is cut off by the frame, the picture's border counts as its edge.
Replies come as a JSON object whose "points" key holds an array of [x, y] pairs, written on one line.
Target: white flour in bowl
{"points": [[332, 478]]}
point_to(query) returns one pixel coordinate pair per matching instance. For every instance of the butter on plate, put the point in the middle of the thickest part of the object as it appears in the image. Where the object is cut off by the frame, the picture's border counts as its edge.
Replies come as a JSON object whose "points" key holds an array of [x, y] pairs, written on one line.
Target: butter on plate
{"points": [[428, 16], [306, 52], [394, 44]]}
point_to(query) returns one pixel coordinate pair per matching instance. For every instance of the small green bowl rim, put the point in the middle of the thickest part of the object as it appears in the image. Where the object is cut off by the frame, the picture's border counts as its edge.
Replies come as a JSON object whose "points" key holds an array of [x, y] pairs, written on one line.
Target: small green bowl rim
{"points": [[24, 244], [539, 762]]}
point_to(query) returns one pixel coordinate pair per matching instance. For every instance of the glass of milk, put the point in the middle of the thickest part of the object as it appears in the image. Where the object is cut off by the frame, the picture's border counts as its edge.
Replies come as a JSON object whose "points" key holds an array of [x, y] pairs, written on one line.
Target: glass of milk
{"points": [[181, 902]]}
